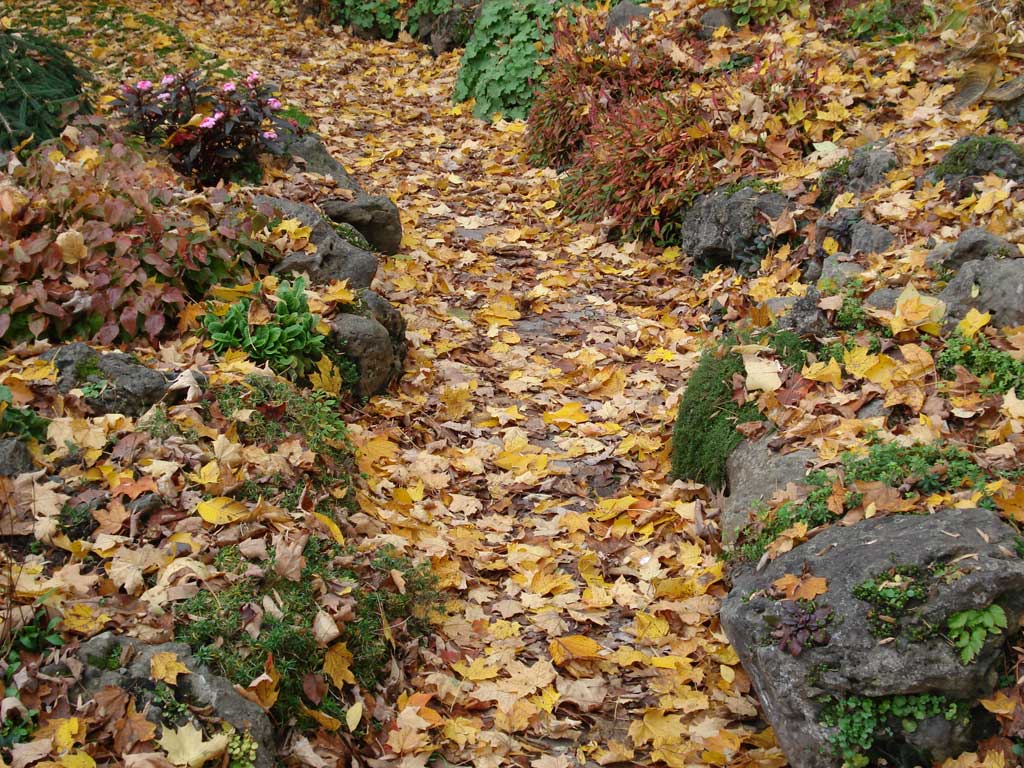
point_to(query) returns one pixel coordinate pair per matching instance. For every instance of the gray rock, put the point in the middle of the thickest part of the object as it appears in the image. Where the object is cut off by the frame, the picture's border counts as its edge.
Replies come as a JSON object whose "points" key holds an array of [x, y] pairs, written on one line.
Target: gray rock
{"points": [[883, 298], [866, 237], [200, 688], [335, 258], [974, 244], [989, 285], [15, 458], [853, 661], [310, 149], [874, 409], [449, 30], [624, 13], [723, 228], [973, 157], [712, 20], [754, 472], [836, 272], [374, 340], [375, 216], [115, 382], [780, 305], [805, 318], [868, 167]]}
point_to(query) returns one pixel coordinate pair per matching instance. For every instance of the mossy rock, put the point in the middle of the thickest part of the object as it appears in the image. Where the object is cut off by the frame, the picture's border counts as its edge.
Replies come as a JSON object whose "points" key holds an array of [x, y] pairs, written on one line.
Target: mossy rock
{"points": [[705, 431], [977, 156]]}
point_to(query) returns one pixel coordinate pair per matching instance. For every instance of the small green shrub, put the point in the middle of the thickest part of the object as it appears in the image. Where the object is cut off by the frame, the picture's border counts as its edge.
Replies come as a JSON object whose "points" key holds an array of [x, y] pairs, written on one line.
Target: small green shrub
{"points": [[289, 341], [998, 371], [501, 67], [811, 511], [759, 11], [705, 431], [894, 21], [861, 722], [970, 629], [376, 17], [40, 88]]}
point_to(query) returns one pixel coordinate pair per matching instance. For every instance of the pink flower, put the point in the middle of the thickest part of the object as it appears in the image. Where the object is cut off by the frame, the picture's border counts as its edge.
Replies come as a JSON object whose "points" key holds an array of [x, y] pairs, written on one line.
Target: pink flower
{"points": [[163, 97], [167, 80], [270, 135], [208, 122], [228, 87], [144, 85], [252, 79], [273, 103]]}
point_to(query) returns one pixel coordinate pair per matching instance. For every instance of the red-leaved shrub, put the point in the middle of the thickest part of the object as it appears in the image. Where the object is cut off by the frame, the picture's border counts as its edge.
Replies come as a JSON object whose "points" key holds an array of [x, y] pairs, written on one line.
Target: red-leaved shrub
{"points": [[99, 243]]}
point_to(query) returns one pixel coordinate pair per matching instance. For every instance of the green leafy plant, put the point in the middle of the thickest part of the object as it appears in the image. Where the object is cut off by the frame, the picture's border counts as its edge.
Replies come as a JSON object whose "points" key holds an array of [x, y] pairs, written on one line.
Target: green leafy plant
{"points": [[998, 371], [21, 422], [501, 65], [40, 88], [760, 11], [289, 341], [173, 711], [894, 21], [376, 17], [970, 629], [860, 722], [242, 751]]}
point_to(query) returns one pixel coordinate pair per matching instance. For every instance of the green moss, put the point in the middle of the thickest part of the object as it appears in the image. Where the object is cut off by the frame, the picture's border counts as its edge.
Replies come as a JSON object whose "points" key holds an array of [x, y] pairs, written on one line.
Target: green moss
{"points": [[351, 235], [211, 623], [997, 370], [159, 425], [789, 349], [963, 156], [705, 430], [893, 593], [831, 182]]}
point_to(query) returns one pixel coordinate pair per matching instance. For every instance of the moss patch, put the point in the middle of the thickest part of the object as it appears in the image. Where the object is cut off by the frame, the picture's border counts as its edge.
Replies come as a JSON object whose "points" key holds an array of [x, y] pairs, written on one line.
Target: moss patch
{"points": [[213, 622], [997, 370], [964, 156], [705, 431]]}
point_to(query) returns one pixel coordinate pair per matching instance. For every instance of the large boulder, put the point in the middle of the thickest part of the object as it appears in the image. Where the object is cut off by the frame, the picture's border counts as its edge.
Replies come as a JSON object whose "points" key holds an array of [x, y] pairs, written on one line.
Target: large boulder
{"points": [[852, 233], [865, 170], [730, 227], [805, 318], [375, 216], [111, 382], [15, 458], [974, 157], [199, 688], [624, 13], [372, 336], [956, 559], [989, 285], [449, 30], [974, 244], [754, 473], [334, 259]]}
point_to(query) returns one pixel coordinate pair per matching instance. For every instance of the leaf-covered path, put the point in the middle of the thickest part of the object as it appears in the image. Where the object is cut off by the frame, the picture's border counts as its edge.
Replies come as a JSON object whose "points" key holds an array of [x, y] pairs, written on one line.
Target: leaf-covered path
{"points": [[525, 452]]}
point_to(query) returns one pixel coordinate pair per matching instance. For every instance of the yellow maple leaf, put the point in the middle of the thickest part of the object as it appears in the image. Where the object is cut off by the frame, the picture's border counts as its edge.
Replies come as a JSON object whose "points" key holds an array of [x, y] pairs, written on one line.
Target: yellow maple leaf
{"points": [[825, 372], [327, 377], [222, 510], [326, 721], [338, 665], [166, 667], [801, 587], [566, 416], [338, 292], [647, 626], [1000, 704], [573, 648], [185, 746], [477, 670], [914, 310], [973, 322]]}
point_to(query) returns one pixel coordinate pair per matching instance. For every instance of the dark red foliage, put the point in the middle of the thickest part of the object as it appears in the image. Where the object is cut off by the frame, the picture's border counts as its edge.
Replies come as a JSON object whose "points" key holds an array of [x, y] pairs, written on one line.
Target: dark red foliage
{"points": [[137, 249]]}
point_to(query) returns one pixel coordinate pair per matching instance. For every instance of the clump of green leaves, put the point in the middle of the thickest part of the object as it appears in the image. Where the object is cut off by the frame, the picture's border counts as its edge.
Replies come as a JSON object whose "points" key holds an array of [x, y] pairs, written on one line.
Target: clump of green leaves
{"points": [[860, 722], [705, 431], [970, 629], [173, 712], [894, 21], [36, 637], [377, 17], [759, 11], [289, 341], [894, 592], [920, 468], [997, 370], [40, 88], [21, 422], [242, 751], [966, 156], [501, 66], [812, 511]]}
